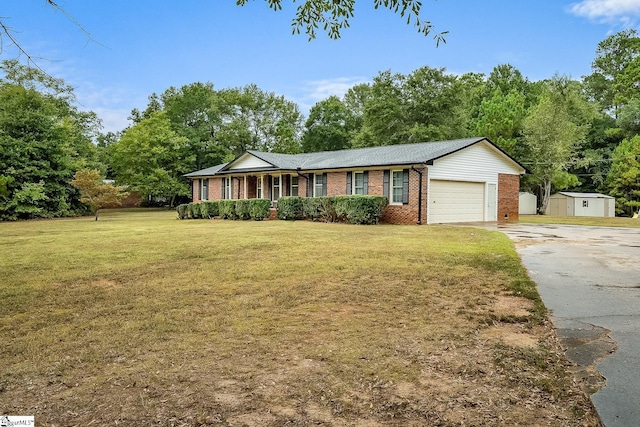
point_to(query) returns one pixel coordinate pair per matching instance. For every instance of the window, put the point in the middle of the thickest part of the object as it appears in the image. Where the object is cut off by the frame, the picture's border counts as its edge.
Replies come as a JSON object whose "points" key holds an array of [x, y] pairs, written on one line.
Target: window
{"points": [[275, 188], [204, 189], [228, 187], [318, 187], [585, 203], [259, 187], [396, 187], [294, 186], [358, 183]]}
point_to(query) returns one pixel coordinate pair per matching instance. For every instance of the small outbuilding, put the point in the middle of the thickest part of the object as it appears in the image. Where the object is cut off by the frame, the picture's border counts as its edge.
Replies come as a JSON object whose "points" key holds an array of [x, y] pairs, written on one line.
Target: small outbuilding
{"points": [[528, 204], [581, 204]]}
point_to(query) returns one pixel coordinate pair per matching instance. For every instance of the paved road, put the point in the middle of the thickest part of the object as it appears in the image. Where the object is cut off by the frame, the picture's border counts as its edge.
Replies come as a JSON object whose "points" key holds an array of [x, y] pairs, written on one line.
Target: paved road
{"points": [[589, 279]]}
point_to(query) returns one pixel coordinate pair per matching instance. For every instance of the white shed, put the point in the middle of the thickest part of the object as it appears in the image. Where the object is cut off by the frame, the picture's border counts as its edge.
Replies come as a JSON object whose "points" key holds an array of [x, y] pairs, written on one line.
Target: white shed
{"points": [[581, 204], [527, 203]]}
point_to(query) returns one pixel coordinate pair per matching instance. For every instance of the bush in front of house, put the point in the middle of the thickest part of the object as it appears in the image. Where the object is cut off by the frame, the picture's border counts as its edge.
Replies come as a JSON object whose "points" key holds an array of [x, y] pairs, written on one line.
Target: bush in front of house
{"points": [[259, 209], [291, 207], [183, 211], [194, 210], [227, 209], [320, 209], [243, 209], [360, 209], [209, 209]]}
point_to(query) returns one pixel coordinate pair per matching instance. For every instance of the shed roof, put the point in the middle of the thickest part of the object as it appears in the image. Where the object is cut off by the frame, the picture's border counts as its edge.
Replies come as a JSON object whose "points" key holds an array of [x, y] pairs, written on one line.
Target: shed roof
{"points": [[585, 195]]}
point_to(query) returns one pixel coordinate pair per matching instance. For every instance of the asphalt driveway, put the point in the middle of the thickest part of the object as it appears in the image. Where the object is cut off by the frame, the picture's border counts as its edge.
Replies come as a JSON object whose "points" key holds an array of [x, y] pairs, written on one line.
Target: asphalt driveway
{"points": [[589, 279]]}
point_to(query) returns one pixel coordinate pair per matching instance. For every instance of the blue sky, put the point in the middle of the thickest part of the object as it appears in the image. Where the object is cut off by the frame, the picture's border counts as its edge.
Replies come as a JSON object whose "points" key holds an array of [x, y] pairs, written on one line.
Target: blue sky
{"points": [[146, 46]]}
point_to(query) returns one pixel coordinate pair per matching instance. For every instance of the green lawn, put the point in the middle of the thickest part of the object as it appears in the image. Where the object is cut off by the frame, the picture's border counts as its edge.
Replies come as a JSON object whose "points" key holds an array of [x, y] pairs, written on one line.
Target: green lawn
{"points": [[581, 220], [141, 319]]}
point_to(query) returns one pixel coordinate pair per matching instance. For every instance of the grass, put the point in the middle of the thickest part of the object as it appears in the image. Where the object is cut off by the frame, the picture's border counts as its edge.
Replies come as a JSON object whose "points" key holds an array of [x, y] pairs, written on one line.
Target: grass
{"points": [[143, 319], [581, 220]]}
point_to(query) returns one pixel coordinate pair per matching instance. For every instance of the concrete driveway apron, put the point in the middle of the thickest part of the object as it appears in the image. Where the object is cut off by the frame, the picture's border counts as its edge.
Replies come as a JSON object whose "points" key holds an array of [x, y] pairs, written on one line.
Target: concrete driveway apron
{"points": [[589, 279]]}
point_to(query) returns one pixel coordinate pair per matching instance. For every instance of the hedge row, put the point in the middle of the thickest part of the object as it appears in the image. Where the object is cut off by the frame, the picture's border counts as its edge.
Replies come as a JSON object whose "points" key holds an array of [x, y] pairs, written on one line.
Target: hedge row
{"points": [[256, 209], [355, 209], [352, 209]]}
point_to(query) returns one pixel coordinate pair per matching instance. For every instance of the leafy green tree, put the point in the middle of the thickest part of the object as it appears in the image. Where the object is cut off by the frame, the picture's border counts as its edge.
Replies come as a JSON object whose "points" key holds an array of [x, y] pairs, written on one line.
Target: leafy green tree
{"points": [[616, 71], [258, 120], [624, 176], [328, 127], [95, 192], [333, 16], [44, 139], [151, 158], [501, 118], [553, 131]]}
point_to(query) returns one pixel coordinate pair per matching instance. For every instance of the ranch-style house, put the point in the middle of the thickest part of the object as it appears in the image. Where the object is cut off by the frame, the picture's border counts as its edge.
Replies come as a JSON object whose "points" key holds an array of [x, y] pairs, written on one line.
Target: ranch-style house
{"points": [[465, 180]]}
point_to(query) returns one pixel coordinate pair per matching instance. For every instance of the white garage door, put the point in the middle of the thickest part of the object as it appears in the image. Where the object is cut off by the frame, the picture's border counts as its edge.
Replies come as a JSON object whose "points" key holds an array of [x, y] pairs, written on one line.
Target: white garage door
{"points": [[456, 201]]}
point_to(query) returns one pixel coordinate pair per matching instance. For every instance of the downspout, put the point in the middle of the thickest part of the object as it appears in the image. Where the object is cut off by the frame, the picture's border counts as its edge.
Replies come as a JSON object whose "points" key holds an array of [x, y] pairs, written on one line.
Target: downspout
{"points": [[419, 195]]}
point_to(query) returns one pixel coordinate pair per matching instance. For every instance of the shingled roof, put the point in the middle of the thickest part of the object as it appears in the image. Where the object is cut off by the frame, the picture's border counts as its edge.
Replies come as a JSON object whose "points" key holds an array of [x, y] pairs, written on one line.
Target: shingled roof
{"points": [[390, 155]]}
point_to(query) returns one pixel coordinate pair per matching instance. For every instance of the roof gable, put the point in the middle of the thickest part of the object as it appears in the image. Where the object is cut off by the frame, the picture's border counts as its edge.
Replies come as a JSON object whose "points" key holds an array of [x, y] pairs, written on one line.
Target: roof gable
{"points": [[247, 160]]}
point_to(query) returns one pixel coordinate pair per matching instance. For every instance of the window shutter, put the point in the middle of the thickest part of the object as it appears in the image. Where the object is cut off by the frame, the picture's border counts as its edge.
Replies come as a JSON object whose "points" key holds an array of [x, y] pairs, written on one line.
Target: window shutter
{"points": [[365, 179], [348, 189], [310, 184], [269, 187], [224, 188], [385, 184], [205, 187], [231, 188], [199, 189], [405, 186], [324, 184], [286, 185]]}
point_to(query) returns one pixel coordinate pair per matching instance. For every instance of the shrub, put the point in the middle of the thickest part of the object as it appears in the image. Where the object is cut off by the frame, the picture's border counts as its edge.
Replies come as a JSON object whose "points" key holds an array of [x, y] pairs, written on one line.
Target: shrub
{"points": [[259, 209], [183, 211], [291, 207], [194, 210], [243, 209], [209, 209], [320, 209], [227, 209], [360, 209]]}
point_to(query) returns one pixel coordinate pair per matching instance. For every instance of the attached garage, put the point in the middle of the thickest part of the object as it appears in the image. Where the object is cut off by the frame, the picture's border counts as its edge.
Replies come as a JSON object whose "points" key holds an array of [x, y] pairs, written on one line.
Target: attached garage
{"points": [[456, 201]]}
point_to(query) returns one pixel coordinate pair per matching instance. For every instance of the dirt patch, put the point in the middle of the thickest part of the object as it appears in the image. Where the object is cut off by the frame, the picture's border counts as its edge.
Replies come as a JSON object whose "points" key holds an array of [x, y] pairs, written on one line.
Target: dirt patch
{"points": [[510, 334]]}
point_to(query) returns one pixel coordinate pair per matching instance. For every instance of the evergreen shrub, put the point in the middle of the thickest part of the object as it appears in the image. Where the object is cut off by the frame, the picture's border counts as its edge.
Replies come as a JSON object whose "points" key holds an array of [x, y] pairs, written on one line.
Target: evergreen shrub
{"points": [[291, 207]]}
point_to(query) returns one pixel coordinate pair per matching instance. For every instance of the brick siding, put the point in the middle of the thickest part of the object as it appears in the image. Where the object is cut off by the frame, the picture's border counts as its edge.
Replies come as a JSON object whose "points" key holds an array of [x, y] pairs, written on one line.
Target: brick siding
{"points": [[508, 197]]}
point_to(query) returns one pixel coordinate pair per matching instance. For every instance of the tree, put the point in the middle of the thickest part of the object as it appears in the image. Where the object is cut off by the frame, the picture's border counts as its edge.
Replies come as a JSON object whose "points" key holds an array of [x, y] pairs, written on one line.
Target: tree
{"points": [[615, 70], [553, 130], [328, 127], [624, 176], [44, 139], [95, 192], [500, 118], [151, 158], [253, 119], [333, 16]]}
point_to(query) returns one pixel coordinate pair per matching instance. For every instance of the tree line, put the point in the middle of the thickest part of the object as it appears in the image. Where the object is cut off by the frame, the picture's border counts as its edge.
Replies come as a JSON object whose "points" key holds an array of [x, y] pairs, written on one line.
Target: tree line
{"points": [[580, 135]]}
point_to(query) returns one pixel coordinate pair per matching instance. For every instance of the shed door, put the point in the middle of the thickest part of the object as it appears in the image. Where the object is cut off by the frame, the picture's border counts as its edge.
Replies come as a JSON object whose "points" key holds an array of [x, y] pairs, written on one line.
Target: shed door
{"points": [[456, 201]]}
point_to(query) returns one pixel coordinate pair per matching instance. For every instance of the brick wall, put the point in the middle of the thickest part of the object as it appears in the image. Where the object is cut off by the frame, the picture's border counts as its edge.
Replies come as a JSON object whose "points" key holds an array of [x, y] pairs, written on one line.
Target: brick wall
{"points": [[336, 183], [508, 197], [408, 214]]}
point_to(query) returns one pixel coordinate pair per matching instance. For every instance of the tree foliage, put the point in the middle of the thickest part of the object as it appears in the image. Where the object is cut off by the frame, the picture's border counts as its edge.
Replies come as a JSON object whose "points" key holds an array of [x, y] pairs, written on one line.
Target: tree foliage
{"points": [[151, 158], [44, 140], [624, 177], [329, 126], [553, 131], [95, 192], [333, 16]]}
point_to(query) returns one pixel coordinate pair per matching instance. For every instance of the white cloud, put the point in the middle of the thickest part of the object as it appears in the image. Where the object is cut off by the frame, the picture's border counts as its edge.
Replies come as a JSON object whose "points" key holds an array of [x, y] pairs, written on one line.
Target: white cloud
{"points": [[625, 12], [318, 90]]}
